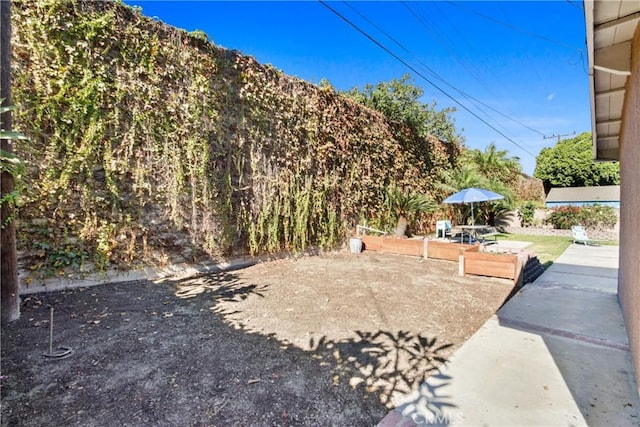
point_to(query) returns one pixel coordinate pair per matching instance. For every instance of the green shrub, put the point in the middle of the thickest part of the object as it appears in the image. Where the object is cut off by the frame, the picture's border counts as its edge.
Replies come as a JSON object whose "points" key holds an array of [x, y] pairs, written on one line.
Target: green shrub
{"points": [[598, 216], [564, 217], [589, 216], [526, 213]]}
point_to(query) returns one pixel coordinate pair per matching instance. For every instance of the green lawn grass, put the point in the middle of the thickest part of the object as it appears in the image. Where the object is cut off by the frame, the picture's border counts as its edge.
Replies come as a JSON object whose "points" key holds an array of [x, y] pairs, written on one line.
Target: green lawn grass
{"points": [[547, 248]]}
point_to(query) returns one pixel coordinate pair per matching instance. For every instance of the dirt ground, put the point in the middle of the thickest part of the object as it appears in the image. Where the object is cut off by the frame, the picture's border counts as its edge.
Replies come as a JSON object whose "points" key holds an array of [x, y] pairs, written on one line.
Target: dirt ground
{"points": [[331, 340]]}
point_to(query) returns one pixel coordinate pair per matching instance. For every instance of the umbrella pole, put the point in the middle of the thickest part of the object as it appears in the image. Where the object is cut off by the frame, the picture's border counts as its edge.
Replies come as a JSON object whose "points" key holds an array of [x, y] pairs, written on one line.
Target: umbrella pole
{"points": [[473, 219], [473, 224]]}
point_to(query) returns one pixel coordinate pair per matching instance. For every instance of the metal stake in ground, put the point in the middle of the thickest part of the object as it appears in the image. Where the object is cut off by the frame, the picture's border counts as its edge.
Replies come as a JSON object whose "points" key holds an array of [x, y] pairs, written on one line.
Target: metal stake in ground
{"points": [[61, 352]]}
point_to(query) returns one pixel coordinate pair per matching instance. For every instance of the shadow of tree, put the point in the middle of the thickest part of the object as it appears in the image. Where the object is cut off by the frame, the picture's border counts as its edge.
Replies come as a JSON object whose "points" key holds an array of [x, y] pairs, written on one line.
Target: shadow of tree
{"points": [[390, 365], [188, 369], [428, 405], [222, 285]]}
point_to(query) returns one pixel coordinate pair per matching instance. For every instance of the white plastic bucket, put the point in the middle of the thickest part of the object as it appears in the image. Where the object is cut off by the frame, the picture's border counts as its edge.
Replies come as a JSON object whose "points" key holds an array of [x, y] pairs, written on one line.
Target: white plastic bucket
{"points": [[355, 245]]}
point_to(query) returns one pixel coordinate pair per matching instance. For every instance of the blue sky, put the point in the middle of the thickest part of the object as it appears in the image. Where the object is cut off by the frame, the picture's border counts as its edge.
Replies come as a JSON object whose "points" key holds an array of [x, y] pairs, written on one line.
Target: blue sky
{"points": [[515, 71]]}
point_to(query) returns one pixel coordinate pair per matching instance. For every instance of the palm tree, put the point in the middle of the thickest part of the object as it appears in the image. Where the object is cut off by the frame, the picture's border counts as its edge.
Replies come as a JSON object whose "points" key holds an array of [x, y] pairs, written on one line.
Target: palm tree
{"points": [[403, 204], [490, 211], [454, 180], [467, 176], [495, 164]]}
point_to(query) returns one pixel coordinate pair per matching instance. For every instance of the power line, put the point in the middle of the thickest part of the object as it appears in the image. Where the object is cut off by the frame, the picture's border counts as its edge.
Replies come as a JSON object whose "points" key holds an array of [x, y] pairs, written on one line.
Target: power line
{"points": [[577, 6], [426, 79], [581, 52], [514, 27], [430, 27], [558, 136], [474, 100], [380, 45], [474, 76], [436, 75]]}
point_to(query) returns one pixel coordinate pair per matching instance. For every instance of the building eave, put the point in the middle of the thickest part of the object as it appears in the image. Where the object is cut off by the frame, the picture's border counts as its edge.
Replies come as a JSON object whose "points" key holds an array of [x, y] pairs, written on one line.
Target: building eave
{"points": [[610, 25]]}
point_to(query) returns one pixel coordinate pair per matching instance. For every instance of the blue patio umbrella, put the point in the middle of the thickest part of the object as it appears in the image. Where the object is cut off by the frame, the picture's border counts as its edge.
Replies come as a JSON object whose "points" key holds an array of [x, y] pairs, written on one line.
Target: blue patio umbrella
{"points": [[471, 195]]}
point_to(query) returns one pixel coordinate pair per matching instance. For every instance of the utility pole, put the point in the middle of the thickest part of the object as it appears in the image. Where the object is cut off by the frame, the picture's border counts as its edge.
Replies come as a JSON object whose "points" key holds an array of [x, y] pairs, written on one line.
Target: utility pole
{"points": [[558, 136]]}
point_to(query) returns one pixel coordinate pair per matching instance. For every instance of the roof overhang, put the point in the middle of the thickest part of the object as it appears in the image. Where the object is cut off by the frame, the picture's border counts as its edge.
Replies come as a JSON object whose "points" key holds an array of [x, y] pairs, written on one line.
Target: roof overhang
{"points": [[610, 25]]}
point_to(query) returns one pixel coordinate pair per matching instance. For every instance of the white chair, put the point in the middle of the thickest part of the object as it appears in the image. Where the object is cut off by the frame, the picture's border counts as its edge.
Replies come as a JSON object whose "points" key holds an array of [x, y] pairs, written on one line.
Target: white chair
{"points": [[443, 227], [580, 236]]}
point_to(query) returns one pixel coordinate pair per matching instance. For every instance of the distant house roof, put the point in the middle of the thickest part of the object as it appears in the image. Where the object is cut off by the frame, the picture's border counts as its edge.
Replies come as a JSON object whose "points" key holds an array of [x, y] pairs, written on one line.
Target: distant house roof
{"points": [[604, 193]]}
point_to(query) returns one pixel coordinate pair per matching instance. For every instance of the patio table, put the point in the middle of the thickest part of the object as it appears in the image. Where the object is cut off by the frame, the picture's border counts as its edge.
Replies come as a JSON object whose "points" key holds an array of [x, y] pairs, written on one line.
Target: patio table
{"points": [[472, 231]]}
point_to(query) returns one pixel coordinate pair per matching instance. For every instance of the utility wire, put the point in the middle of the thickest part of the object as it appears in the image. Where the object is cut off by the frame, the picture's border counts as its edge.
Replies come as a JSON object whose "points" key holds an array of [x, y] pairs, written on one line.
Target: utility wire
{"points": [[473, 100], [475, 77], [532, 34], [381, 46], [445, 43], [514, 27], [436, 75], [577, 6]]}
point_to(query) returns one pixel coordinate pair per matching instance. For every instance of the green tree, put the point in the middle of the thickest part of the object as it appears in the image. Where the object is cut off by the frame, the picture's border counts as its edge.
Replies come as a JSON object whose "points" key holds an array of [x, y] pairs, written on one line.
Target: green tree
{"points": [[570, 164], [495, 164], [399, 100], [404, 203], [466, 176], [503, 175]]}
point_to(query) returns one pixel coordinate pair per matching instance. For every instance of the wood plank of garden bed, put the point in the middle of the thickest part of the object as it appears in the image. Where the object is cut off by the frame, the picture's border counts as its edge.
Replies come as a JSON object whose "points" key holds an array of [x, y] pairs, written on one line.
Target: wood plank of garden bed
{"points": [[403, 246], [493, 265], [449, 251], [393, 245], [372, 243]]}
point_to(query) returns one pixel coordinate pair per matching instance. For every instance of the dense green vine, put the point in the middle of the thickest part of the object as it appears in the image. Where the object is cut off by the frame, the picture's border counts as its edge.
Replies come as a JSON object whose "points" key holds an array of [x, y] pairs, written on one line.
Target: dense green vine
{"points": [[145, 139]]}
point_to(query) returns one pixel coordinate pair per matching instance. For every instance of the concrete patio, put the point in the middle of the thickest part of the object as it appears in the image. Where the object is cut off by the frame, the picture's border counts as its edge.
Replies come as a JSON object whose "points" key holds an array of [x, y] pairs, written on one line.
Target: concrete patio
{"points": [[555, 354]]}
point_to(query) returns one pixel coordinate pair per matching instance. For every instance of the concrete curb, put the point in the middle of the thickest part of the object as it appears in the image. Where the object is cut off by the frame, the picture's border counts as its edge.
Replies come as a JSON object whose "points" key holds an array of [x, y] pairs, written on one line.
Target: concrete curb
{"points": [[31, 284]]}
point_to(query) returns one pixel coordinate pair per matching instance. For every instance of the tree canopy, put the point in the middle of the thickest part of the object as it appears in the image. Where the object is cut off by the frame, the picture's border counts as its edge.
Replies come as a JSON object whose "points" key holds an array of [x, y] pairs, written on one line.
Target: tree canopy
{"points": [[494, 164], [491, 169], [399, 100], [570, 164]]}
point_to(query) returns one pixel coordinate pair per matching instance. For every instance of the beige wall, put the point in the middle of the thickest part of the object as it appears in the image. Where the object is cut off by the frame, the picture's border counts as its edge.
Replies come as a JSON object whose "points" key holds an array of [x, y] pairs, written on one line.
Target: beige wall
{"points": [[629, 272]]}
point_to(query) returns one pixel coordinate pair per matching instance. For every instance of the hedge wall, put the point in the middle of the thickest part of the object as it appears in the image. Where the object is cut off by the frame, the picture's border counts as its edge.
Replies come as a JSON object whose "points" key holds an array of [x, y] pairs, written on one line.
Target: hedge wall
{"points": [[146, 141]]}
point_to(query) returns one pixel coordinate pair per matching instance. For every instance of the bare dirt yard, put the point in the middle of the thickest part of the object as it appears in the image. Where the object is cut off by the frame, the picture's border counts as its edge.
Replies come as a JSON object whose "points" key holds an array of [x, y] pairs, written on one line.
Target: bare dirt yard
{"points": [[332, 340]]}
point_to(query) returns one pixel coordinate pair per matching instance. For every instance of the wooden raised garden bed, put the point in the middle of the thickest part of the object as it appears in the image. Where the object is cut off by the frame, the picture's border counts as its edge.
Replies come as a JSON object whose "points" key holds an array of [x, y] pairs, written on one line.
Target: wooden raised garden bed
{"points": [[394, 245], [416, 247], [493, 265], [447, 250], [471, 260]]}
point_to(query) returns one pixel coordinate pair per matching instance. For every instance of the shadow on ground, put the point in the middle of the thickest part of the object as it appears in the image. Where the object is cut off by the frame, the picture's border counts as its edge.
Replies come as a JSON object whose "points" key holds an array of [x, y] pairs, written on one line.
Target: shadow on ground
{"points": [[157, 354], [383, 363], [386, 364]]}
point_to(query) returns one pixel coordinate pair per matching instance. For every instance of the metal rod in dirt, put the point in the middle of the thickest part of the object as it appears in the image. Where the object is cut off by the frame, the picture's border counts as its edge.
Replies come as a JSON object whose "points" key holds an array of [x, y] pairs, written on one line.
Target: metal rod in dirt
{"points": [[51, 332]]}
